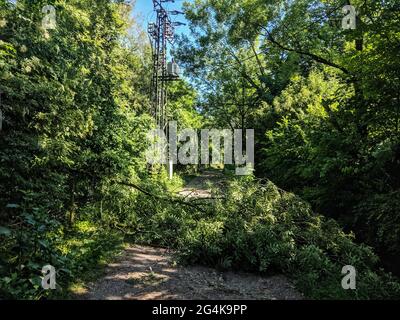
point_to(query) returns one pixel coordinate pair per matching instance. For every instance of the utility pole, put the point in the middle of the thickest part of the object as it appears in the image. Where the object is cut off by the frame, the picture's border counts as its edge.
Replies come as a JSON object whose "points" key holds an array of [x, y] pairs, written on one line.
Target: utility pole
{"points": [[161, 32]]}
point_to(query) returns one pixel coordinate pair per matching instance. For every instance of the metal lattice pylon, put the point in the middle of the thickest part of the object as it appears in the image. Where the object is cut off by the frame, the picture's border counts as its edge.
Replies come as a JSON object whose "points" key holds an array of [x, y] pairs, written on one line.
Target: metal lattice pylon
{"points": [[161, 32]]}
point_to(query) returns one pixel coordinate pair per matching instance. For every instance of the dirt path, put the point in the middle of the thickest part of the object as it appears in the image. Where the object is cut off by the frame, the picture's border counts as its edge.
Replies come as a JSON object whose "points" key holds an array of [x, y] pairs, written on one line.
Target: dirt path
{"points": [[146, 273], [198, 186], [143, 273]]}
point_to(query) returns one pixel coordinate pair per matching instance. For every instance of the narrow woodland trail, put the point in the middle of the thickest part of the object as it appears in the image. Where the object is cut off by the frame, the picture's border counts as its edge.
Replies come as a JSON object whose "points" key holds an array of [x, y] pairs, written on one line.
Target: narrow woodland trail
{"points": [[198, 186], [146, 273]]}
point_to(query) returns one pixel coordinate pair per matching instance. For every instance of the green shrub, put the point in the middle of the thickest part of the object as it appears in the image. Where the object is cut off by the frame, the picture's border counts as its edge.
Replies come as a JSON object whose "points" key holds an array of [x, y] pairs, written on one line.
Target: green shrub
{"points": [[261, 228]]}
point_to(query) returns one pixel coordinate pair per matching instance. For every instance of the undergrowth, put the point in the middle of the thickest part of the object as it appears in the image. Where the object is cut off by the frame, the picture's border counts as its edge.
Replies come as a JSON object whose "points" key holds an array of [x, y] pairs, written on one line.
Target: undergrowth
{"points": [[249, 226], [257, 227]]}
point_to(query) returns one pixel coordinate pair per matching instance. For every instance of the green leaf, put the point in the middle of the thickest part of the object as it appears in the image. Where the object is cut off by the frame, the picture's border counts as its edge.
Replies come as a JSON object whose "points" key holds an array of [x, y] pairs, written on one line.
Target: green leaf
{"points": [[12, 206], [7, 280], [43, 243], [5, 231]]}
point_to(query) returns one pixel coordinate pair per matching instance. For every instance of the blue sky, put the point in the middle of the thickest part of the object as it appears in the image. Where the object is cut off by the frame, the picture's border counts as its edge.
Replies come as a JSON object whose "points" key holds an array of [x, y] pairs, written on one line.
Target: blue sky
{"points": [[144, 10]]}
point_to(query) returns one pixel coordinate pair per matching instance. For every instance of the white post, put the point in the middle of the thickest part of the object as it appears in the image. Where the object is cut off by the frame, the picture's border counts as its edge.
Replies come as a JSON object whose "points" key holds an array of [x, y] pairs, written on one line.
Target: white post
{"points": [[171, 169]]}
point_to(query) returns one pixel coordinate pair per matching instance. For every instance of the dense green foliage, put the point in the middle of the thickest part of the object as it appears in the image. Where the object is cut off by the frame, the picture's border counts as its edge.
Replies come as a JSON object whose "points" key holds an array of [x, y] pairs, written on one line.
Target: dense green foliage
{"points": [[323, 100], [71, 100], [258, 227], [74, 182]]}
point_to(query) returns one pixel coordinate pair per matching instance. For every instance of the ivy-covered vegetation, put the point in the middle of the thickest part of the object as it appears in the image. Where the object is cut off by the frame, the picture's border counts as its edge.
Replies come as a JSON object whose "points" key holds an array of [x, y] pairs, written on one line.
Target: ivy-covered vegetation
{"points": [[324, 102]]}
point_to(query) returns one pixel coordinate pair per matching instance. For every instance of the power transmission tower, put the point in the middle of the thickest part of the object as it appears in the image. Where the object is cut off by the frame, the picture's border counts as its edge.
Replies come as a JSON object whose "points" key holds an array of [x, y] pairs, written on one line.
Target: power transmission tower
{"points": [[161, 32]]}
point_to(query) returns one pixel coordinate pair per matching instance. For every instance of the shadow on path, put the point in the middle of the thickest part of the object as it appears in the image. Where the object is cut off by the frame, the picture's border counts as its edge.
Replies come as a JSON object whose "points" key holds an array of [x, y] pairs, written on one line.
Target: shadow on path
{"points": [[146, 273]]}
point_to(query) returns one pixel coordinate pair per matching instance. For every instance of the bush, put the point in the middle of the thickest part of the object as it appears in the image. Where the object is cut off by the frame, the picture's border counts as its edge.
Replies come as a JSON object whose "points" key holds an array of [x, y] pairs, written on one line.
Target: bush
{"points": [[260, 228]]}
